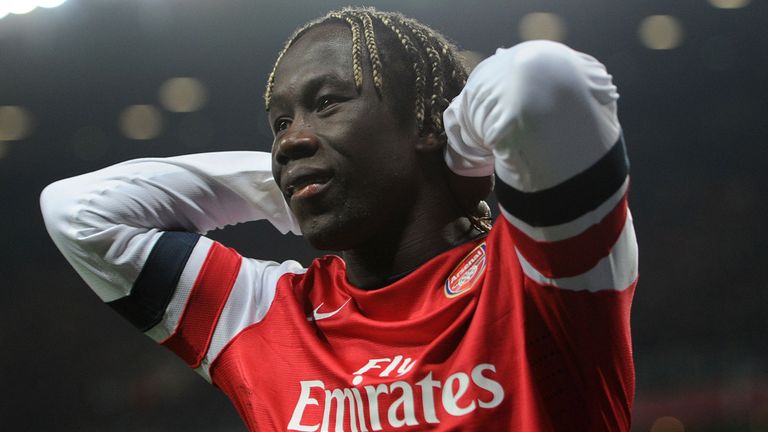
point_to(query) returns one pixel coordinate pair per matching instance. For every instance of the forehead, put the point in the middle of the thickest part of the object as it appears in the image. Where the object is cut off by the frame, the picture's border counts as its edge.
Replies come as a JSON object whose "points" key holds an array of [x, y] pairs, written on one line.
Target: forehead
{"points": [[324, 50]]}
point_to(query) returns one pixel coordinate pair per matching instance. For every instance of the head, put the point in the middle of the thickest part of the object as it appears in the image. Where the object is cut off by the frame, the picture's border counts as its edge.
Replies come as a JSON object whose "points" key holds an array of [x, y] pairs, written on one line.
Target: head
{"points": [[356, 101], [414, 68]]}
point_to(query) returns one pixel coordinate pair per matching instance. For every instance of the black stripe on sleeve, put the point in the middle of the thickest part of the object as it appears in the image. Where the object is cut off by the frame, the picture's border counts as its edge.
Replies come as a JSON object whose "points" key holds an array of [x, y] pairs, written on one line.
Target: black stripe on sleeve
{"points": [[574, 197], [145, 305]]}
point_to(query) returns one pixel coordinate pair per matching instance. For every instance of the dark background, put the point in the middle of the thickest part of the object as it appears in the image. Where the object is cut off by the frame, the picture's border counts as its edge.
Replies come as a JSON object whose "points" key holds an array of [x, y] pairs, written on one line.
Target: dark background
{"points": [[694, 119]]}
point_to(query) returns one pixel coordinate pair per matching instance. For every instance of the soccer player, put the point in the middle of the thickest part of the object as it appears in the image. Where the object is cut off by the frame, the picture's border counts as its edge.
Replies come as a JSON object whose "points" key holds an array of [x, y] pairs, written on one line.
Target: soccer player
{"points": [[429, 319]]}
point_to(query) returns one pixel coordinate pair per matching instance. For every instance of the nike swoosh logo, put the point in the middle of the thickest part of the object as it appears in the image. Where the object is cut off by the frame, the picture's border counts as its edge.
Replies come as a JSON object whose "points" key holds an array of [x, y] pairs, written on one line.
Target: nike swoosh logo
{"points": [[317, 315]]}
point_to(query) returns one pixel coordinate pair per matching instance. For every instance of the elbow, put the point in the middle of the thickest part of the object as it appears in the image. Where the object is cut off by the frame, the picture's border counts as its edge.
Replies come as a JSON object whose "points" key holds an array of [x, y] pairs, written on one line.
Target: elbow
{"points": [[55, 208], [61, 208], [553, 76]]}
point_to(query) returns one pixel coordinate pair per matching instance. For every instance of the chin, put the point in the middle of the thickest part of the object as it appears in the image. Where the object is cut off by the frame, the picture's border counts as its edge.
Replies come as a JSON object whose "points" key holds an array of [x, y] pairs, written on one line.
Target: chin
{"points": [[329, 241], [337, 231], [328, 236]]}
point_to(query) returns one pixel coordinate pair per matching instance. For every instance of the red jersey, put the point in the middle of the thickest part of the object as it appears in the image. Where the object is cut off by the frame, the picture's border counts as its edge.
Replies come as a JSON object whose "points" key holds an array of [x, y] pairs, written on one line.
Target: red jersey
{"points": [[464, 342], [526, 329]]}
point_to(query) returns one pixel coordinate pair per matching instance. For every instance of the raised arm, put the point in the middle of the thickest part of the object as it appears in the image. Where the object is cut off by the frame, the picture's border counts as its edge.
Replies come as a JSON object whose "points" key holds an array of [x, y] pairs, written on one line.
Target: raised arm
{"points": [[543, 118], [133, 232]]}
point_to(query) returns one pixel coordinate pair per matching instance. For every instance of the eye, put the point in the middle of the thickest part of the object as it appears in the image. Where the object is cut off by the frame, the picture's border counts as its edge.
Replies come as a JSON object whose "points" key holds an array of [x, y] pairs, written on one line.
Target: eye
{"points": [[281, 124], [325, 101]]}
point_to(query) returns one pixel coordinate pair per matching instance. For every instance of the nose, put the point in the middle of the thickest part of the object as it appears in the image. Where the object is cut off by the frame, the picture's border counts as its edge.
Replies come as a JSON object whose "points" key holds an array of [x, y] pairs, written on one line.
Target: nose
{"points": [[295, 145]]}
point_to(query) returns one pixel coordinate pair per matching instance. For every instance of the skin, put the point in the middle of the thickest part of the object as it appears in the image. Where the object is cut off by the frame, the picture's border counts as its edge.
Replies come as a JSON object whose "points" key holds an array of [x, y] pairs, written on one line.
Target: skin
{"points": [[378, 191]]}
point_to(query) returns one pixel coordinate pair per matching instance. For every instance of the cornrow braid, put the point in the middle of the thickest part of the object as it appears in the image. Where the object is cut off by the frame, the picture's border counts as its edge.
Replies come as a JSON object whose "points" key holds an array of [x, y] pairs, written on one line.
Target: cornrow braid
{"points": [[288, 43], [438, 73], [357, 49], [418, 68], [435, 71], [373, 50]]}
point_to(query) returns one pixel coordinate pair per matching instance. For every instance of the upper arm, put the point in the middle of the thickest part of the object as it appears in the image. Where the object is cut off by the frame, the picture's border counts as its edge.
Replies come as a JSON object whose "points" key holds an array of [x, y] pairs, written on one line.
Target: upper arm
{"points": [[133, 232], [543, 118], [563, 174]]}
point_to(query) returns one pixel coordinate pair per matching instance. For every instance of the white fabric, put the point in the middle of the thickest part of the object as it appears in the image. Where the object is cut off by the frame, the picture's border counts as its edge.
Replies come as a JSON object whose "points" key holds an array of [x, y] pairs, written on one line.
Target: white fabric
{"points": [[246, 306], [617, 271], [106, 222], [176, 306], [539, 111]]}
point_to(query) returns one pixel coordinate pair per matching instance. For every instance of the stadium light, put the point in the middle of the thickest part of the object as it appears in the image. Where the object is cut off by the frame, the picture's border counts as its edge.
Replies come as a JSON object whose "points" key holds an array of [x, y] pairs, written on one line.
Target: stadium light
{"points": [[729, 4], [15, 123], [50, 3], [661, 32], [542, 25], [20, 7]]}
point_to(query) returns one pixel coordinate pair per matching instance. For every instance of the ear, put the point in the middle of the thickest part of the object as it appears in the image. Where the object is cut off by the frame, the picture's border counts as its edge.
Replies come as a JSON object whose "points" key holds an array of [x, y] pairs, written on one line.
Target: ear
{"points": [[430, 142]]}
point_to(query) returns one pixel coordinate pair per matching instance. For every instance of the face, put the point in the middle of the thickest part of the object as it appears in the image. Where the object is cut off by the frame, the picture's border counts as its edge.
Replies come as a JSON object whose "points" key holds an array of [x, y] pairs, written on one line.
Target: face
{"points": [[346, 165]]}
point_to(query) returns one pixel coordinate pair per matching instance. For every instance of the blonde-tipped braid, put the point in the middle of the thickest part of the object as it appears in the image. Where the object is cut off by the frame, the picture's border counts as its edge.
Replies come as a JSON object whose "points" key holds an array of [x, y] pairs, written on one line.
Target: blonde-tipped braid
{"points": [[436, 112], [422, 45], [373, 51], [357, 48], [438, 74], [418, 69]]}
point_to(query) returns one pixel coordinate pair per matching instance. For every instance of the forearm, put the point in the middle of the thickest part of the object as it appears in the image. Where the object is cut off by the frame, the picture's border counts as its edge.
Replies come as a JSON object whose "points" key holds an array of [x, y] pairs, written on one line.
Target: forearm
{"points": [[540, 110], [543, 118], [106, 222]]}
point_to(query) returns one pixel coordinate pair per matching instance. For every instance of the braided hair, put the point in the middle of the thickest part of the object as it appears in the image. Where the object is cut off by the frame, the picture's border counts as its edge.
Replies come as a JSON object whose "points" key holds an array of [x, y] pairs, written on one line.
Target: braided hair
{"points": [[437, 71]]}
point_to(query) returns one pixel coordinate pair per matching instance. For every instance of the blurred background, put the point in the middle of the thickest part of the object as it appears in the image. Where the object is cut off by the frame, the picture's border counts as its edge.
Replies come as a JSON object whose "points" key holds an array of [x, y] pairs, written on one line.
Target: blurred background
{"points": [[88, 83]]}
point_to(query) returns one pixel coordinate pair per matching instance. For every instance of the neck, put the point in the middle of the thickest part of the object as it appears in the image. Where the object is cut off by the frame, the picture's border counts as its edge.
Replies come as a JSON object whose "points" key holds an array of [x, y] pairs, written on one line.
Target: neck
{"points": [[374, 263]]}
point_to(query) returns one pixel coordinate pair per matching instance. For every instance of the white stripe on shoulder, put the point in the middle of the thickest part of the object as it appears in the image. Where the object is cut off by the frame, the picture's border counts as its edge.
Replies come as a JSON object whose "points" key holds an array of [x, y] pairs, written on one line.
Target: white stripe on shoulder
{"points": [[572, 228], [248, 303], [175, 308], [617, 271]]}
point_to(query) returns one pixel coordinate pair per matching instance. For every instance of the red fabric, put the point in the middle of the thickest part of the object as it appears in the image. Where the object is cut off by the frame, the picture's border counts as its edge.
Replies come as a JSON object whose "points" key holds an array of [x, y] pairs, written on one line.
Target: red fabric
{"points": [[209, 294], [506, 355], [574, 255]]}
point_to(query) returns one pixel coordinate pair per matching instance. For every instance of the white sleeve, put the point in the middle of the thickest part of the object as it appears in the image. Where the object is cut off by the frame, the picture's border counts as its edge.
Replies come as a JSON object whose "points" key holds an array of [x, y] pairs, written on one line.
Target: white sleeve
{"points": [[541, 110], [543, 118], [107, 222]]}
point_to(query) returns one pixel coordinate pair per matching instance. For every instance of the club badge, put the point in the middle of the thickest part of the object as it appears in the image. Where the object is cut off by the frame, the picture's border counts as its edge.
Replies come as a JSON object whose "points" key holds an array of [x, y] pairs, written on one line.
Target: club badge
{"points": [[466, 275]]}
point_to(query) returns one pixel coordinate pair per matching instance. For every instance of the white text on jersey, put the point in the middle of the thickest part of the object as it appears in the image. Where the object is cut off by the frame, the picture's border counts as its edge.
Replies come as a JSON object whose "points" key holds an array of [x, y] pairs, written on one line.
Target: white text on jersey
{"points": [[360, 406]]}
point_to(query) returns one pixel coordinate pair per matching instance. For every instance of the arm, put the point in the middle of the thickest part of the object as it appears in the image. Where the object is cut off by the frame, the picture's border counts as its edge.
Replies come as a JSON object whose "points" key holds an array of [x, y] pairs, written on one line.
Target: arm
{"points": [[133, 233], [543, 117]]}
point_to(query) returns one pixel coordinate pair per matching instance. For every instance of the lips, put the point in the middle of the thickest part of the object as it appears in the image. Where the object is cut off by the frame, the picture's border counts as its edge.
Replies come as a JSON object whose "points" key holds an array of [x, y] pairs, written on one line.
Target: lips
{"points": [[305, 182]]}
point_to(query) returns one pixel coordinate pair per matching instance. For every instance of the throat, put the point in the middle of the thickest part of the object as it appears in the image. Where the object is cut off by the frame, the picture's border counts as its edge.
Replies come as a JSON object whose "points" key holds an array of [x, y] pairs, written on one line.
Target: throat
{"points": [[378, 264]]}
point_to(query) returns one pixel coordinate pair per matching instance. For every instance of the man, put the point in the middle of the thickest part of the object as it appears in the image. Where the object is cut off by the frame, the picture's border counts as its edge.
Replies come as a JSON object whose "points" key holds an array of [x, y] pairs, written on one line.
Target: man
{"points": [[382, 153]]}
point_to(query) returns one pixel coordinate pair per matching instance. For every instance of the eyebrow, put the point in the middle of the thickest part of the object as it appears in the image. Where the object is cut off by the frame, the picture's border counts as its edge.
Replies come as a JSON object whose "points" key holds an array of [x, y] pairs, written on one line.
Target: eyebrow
{"points": [[309, 89]]}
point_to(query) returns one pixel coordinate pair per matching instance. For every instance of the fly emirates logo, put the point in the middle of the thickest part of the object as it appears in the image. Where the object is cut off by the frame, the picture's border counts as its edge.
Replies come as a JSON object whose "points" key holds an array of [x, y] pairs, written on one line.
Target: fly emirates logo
{"points": [[395, 404]]}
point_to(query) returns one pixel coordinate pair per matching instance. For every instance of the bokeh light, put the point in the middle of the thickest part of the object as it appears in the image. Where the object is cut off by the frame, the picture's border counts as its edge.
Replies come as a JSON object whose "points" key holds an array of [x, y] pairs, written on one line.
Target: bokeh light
{"points": [[50, 3], [20, 7], [661, 32], [141, 122], [667, 424], [15, 123], [542, 25], [729, 4], [183, 94]]}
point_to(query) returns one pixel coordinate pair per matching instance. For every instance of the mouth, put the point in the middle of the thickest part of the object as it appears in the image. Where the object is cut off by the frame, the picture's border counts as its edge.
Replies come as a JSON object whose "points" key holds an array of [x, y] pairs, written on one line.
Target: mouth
{"points": [[306, 184]]}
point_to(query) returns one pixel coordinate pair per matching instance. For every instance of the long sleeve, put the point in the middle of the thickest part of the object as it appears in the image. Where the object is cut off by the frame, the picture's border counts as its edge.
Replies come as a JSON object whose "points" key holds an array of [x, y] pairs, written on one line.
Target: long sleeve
{"points": [[106, 222], [133, 231], [543, 117]]}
